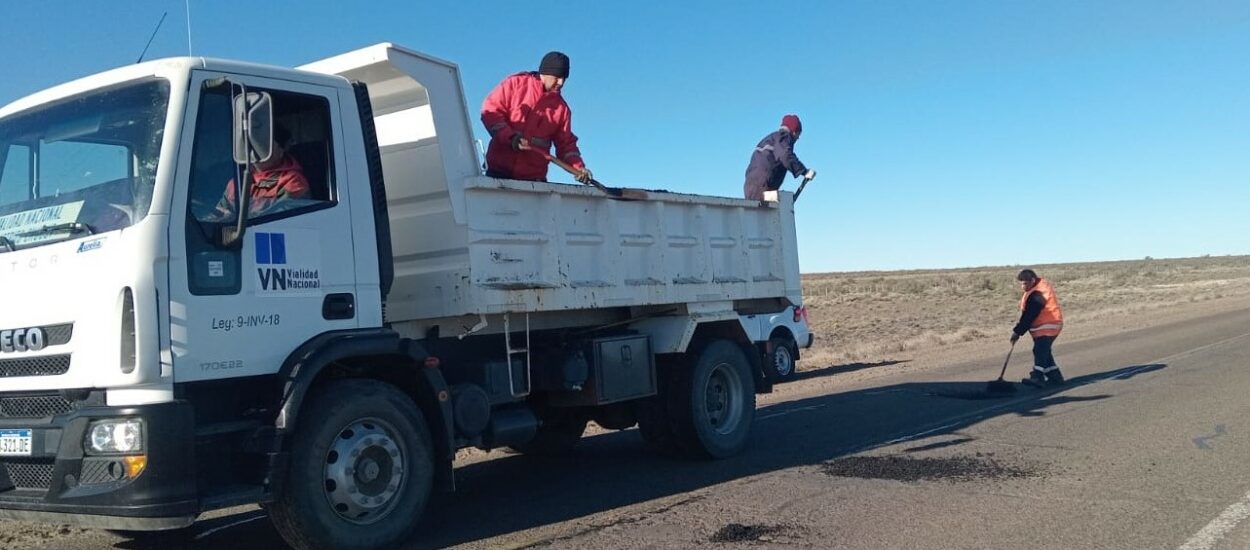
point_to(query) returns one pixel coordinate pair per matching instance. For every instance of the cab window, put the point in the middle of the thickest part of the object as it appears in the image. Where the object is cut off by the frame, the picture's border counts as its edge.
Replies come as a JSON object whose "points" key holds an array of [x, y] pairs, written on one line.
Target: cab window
{"points": [[298, 179]]}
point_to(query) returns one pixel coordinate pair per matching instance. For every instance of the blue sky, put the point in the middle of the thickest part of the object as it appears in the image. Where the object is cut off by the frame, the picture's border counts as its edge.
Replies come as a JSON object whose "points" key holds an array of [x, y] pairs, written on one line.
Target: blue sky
{"points": [[945, 134]]}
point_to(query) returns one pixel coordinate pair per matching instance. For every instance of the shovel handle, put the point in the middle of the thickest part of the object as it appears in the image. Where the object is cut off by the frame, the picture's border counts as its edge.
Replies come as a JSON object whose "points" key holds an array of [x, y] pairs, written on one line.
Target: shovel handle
{"points": [[577, 173], [566, 166], [799, 191], [1007, 360]]}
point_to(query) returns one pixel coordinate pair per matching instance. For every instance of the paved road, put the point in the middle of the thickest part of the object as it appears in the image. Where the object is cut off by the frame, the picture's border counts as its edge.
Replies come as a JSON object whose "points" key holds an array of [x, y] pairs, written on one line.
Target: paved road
{"points": [[1145, 448]]}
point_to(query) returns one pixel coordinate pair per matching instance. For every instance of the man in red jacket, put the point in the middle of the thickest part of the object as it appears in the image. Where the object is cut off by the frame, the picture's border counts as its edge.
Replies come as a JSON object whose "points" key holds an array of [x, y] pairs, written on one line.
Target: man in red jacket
{"points": [[275, 183], [525, 115]]}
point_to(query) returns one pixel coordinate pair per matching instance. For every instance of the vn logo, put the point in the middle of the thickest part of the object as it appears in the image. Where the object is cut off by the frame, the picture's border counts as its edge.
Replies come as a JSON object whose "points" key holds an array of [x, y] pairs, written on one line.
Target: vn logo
{"points": [[274, 272], [271, 250]]}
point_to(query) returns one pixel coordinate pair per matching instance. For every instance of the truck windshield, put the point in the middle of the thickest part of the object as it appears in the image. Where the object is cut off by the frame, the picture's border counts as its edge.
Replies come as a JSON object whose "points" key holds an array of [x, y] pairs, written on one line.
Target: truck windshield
{"points": [[81, 166]]}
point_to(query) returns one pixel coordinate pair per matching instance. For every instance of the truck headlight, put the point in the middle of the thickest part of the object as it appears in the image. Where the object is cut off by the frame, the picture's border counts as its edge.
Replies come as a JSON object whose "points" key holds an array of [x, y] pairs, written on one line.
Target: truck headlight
{"points": [[116, 435]]}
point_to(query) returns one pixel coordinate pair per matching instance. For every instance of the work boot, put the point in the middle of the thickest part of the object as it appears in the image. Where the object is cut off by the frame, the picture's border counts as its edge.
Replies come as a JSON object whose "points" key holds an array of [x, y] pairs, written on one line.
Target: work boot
{"points": [[1035, 379], [1054, 378]]}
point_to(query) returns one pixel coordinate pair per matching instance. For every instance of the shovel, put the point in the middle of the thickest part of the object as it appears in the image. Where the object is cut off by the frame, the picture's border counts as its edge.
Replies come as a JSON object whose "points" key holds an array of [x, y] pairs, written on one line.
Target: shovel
{"points": [[1000, 385], [619, 193], [799, 191]]}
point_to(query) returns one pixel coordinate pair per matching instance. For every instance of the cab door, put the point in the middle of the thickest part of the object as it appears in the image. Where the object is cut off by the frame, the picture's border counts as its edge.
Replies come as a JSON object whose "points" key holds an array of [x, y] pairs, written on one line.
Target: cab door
{"points": [[241, 310]]}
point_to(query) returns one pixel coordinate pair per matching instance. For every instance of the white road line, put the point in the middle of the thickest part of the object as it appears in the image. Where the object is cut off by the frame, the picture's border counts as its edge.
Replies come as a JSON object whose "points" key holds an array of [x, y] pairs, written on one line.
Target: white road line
{"points": [[974, 414], [785, 412], [882, 392], [1220, 526], [227, 526], [918, 435], [1129, 374], [952, 422], [1164, 360]]}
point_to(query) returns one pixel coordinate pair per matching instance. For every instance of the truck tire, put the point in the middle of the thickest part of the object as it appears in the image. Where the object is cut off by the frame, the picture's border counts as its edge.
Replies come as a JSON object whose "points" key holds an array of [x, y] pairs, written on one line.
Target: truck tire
{"points": [[558, 433], [707, 407], [655, 423], [779, 363], [361, 469]]}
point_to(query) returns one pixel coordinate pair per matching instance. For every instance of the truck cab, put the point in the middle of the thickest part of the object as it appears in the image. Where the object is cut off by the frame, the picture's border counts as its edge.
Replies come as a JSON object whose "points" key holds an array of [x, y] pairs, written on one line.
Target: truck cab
{"points": [[129, 294]]}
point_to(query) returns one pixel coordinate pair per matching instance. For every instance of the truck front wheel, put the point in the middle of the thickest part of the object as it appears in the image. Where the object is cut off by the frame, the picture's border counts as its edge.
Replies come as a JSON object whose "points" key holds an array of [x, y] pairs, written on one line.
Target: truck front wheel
{"points": [[361, 469]]}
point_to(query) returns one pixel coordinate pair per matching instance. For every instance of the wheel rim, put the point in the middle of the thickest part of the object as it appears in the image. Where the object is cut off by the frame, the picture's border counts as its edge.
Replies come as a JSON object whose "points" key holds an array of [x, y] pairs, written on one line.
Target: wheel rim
{"points": [[364, 471], [723, 399], [783, 362]]}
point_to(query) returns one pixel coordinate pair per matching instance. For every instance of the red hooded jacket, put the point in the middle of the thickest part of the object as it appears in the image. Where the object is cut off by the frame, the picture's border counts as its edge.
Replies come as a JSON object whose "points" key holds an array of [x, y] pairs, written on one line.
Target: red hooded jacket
{"points": [[520, 105], [269, 188]]}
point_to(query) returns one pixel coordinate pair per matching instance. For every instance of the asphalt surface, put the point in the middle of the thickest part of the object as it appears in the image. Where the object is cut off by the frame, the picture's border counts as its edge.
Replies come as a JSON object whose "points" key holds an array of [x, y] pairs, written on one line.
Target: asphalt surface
{"points": [[1144, 448]]}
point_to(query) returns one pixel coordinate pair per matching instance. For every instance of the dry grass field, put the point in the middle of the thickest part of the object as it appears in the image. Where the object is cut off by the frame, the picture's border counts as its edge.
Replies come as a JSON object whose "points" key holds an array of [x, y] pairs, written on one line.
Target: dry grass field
{"points": [[864, 316]]}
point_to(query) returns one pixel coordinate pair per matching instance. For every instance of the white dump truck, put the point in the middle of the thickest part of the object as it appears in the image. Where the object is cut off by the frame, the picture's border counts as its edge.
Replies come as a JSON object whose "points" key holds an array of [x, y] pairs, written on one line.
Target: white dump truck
{"points": [[173, 343]]}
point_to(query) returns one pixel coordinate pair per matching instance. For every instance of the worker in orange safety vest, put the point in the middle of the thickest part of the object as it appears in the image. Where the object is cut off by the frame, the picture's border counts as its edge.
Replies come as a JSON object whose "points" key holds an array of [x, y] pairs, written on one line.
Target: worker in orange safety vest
{"points": [[1042, 318]]}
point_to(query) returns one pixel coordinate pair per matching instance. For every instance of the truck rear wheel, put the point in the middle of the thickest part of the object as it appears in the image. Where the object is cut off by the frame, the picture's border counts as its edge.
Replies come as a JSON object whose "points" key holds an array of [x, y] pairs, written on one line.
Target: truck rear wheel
{"points": [[705, 407], [361, 469], [655, 423]]}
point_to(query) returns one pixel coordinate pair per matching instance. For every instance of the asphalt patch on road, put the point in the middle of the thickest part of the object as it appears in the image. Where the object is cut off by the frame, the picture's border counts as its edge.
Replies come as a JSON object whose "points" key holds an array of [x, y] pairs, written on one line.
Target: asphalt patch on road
{"points": [[912, 469], [976, 394], [737, 532]]}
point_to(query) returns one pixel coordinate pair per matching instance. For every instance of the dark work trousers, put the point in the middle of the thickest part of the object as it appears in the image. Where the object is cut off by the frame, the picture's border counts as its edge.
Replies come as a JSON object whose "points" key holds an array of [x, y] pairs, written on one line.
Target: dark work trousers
{"points": [[1043, 360]]}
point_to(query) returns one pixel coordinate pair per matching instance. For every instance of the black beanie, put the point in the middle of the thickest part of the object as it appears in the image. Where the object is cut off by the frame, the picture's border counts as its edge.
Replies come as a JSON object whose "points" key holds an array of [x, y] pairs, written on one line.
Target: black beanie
{"points": [[555, 64]]}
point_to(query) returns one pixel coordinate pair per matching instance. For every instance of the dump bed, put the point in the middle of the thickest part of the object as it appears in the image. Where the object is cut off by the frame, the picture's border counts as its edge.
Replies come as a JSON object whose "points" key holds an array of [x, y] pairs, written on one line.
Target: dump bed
{"points": [[466, 244]]}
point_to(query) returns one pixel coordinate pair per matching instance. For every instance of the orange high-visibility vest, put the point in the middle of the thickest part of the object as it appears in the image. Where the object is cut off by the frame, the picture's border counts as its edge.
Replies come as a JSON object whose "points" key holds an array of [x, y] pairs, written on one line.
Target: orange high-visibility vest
{"points": [[1050, 321]]}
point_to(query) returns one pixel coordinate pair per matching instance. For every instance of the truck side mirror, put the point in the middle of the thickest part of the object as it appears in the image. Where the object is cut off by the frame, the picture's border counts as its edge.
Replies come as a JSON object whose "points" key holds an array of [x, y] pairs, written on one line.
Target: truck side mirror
{"points": [[253, 127], [253, 143]]}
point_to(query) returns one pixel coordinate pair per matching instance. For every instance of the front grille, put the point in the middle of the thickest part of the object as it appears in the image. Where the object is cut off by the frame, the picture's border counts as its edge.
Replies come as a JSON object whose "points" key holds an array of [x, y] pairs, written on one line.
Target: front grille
{"points": [[46, 365], [57, 335], [34, 406], [29, 473]]}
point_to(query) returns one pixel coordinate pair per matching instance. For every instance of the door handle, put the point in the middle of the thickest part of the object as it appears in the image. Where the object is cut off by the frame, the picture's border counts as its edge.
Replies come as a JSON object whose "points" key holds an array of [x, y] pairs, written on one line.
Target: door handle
{"points": [[338, 306]]}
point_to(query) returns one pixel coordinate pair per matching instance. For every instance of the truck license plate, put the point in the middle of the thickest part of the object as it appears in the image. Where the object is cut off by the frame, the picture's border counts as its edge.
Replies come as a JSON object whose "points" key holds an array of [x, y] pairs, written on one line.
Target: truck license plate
{"points": [[15, 442]]}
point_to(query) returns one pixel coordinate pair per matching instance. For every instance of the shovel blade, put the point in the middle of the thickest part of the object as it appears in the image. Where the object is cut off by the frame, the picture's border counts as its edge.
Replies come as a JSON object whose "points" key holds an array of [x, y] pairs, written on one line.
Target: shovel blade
{"points": [[1000, 386], [620, 193]]}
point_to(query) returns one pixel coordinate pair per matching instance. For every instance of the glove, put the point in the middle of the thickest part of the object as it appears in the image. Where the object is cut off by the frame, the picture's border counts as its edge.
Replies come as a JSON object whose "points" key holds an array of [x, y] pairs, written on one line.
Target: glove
{"points": [[1014, 337], [585, 176], [519, 142], [809, 175]]}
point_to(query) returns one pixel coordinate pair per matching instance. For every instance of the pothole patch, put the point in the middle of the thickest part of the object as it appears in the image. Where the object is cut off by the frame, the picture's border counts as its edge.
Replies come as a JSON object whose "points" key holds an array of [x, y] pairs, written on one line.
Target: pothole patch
{"points": [[911, 469], [737, 532], [974, 395]]}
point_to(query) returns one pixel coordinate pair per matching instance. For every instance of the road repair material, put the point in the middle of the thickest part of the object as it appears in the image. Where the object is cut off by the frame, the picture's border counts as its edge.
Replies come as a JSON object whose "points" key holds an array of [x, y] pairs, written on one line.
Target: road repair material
{"points": [[1000, 385]]}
